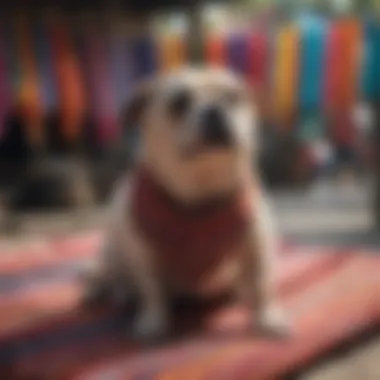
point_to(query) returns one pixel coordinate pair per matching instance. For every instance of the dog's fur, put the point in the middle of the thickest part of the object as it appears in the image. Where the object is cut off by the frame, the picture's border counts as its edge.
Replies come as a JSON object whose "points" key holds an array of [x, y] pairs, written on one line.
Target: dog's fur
{"points": [[191, 172]]}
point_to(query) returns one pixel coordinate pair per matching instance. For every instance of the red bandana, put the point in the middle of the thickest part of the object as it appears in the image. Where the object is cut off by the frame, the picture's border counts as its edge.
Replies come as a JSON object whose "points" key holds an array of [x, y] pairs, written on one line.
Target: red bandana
{"points": [[190, 241]]}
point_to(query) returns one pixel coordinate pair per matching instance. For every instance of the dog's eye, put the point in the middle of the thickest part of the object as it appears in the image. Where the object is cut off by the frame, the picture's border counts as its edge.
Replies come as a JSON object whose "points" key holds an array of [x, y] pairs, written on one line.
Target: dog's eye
{"points": [[180, 103]]}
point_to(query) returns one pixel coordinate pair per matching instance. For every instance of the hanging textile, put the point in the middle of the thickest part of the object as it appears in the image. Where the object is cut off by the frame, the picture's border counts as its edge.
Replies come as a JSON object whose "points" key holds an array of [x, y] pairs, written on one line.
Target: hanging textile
{"points": [[120, 67], [44, 65], [352, 32], [311, 63], [104, 108], [28, 97], [69, 80], [259, 70], [5, 88], [286, 73], [215, 50], [237, 50], [172, 52], [332, 68], [342, 66], [143, 55], [259, 59], [370, 78]]}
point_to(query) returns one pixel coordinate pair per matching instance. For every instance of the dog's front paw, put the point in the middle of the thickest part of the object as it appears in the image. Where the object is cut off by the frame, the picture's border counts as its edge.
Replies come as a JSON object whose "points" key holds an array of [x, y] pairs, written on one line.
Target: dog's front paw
{"points": [[272, 322], [151, 326]]}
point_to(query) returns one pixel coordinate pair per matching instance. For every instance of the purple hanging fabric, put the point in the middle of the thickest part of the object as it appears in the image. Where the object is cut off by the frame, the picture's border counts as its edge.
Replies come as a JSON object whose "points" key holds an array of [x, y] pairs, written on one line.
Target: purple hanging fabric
{"points": [[143, 56], [238, 54], [45, 66], [120, 68], [11, 57]]}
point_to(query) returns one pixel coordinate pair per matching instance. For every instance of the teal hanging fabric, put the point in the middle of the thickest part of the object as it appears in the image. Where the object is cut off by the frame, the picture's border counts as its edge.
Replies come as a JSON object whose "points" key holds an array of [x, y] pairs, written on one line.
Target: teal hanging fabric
{"points": [[312, 60], [370, 78]]}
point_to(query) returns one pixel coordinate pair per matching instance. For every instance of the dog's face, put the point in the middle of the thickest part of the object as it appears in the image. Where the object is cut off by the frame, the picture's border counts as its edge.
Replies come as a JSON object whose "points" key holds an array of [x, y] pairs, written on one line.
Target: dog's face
{"points": [[197, 130]]}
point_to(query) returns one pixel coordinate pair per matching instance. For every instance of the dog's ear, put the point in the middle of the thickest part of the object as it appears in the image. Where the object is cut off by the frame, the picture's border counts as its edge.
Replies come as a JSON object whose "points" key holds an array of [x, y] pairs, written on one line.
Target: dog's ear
{"points": [[136, 105]]}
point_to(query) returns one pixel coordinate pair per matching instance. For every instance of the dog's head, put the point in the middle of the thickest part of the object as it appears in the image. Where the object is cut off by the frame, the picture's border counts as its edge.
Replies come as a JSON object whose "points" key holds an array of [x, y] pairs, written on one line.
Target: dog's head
{"points": [[197, 129]]}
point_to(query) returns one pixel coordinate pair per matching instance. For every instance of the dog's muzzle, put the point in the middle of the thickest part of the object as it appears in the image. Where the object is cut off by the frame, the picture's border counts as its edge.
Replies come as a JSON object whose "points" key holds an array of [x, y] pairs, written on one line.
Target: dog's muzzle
{"points": [[214, 129]]}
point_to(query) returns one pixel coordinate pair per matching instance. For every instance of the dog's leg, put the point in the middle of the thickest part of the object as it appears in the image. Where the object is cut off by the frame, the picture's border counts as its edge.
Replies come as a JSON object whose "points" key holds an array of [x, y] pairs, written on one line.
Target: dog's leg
{"points": [[121, 276], [152, 319], [107, 280], [259, 277]]}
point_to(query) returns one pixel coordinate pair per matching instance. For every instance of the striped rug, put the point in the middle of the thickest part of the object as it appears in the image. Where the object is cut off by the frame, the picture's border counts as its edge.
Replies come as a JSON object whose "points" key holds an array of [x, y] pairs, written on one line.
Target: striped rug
{"points": [[45, 334]]}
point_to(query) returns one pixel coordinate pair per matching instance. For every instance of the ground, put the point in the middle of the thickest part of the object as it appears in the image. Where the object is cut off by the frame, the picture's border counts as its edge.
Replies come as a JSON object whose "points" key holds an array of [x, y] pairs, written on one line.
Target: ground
{"points": [[325, 215], [360, 364]]}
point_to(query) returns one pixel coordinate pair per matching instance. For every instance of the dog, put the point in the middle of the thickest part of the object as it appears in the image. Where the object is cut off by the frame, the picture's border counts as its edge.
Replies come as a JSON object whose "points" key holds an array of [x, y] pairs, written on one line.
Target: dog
{"points": [[191, 218]]}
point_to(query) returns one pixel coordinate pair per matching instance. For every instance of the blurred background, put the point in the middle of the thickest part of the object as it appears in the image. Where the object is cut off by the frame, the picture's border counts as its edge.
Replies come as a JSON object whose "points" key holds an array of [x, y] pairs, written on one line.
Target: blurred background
{"points": [[67, 68], [66, 71]]}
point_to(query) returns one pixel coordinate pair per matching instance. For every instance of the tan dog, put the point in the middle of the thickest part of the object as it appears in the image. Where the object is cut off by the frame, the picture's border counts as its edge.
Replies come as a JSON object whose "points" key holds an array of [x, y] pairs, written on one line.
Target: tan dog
{"points": [[192, 218]]}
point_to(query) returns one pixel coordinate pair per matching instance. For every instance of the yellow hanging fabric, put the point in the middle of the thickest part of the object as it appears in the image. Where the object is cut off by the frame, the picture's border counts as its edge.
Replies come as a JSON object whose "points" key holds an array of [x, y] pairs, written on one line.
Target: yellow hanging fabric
{"points": [[172, 52], [286, 72], [29, 96]]}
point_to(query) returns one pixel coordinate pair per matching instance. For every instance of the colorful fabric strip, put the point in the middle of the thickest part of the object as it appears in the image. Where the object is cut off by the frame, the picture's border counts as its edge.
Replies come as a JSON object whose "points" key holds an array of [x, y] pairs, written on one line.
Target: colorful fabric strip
{"points": [[342, 66], [172, 52], [312, 61], [69, 81], [286, 72], [104, 107], [44, 65], [28, 95], [215, 50], [143, 56], [370, 84], [238, 53]]}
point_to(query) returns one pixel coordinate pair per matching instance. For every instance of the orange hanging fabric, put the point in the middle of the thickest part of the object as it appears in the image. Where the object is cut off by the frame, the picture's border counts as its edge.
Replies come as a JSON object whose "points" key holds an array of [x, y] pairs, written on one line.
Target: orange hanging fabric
{"points": [[286, 72], [29, 95], [71, 95], [351, 38], [342, 66], [172, 52]]}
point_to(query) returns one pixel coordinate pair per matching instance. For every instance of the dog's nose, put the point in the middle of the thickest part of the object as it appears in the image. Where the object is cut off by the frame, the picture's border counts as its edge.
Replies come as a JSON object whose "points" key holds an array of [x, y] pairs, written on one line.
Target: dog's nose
{"points": [[214, 128]]}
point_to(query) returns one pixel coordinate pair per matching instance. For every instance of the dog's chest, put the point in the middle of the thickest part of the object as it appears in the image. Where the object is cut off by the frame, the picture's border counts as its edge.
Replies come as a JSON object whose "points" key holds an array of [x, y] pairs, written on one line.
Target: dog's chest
{"points": [[188, 244]]}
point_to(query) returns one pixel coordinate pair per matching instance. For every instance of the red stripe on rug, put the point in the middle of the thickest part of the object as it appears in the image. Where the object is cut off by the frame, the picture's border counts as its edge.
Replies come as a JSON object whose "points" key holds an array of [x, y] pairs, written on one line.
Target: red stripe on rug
{"points": [[54, 305], [37, 254], [52, 315], [326, 314], [18, 258]]}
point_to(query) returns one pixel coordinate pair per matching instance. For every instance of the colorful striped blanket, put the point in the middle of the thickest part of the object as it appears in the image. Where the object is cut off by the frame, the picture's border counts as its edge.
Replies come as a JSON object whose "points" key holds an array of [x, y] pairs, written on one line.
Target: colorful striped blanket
{"points": [[45, 334]]}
